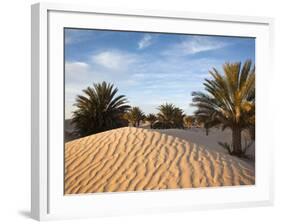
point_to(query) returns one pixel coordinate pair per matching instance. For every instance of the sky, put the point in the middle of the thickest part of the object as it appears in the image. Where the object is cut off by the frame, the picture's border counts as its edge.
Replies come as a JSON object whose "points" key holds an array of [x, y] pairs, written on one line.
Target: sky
{"points": [[148, 68]]}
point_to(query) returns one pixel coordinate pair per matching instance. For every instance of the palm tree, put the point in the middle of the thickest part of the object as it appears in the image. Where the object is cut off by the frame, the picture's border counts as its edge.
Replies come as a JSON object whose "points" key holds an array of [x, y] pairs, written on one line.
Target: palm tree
{"points": [[99, 109], [151, 118], [188, 121], [135, 116], [166, 115], [178, 118], [229, 101], [170, 116]]}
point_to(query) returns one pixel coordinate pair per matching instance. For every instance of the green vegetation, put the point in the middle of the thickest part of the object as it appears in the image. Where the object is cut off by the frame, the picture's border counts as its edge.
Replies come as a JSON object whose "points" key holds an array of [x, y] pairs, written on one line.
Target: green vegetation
{"points": [[135, 116], [169, 116], [99, 109], [229, 102], [151, 118], [188, 121]]}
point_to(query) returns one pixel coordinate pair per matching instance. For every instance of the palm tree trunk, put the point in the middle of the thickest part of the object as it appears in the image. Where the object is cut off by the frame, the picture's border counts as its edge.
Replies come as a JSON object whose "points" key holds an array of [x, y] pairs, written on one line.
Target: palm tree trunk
{"points": [[252, 132], [236, 141]]}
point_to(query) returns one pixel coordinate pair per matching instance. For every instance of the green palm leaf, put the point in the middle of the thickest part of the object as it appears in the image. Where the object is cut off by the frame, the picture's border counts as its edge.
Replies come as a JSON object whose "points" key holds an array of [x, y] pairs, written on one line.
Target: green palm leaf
{"points": [[228, 100], [99, 109]]}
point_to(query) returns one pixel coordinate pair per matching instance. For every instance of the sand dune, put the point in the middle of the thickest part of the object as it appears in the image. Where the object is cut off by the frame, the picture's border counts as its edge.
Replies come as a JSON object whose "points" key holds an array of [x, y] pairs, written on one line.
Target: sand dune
{"points": [[132, 159], [210, 141]]}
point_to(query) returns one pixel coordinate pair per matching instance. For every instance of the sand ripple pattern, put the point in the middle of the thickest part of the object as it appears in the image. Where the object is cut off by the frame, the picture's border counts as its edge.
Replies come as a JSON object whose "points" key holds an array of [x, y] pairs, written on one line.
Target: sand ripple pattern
{"points": [[134, 159]]}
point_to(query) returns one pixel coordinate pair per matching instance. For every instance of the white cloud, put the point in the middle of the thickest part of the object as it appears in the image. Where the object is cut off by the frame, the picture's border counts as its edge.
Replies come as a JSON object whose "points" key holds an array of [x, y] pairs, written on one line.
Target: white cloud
{"points": [[145, 41], [200, 44], [114, 60], [195, 45], [80, 74], [75, 65], [76, 71]]}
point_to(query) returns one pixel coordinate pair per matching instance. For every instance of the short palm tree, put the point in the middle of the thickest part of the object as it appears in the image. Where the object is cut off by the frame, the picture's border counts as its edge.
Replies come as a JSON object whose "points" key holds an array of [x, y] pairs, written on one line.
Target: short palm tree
{"points": [[188, 121], [229, 101], [170, 116], [99, 109], [151, 118], [166, 114], [178, 118], [135, 116]]}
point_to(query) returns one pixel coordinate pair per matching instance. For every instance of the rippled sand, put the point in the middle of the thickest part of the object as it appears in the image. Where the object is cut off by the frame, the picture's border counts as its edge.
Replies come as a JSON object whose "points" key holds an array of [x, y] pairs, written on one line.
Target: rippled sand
{"points": [[134, 159]]}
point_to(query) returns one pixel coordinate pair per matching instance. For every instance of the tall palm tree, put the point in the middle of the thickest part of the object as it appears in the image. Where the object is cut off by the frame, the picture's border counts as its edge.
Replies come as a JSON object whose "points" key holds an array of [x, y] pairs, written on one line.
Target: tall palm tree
{"points": [[229, 101], [170, 116], [151, 118], [99, 109], [135, 116]]}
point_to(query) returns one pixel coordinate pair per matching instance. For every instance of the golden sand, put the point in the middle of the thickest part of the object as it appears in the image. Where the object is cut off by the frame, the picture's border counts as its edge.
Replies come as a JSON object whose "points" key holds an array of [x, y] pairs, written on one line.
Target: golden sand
{"points": [[134, 159]]}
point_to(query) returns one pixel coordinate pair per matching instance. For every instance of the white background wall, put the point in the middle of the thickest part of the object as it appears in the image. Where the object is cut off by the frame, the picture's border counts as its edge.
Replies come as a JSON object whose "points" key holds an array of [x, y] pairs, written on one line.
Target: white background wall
{"points": [[15, 110]]}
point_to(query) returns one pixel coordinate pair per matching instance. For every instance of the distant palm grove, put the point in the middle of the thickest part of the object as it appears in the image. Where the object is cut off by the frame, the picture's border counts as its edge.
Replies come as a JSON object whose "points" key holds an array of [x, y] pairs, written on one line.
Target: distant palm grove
{"points": [[227, 102]]}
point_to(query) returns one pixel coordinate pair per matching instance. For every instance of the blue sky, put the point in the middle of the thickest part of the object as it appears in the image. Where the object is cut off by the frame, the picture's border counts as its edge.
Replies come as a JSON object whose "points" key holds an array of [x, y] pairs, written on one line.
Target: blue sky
{"points": [[149, 68]]}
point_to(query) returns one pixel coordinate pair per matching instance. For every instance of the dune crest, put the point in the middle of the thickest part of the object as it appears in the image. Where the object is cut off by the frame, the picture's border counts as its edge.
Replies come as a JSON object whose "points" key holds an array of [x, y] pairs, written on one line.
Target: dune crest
{"points": [[134, 159]]}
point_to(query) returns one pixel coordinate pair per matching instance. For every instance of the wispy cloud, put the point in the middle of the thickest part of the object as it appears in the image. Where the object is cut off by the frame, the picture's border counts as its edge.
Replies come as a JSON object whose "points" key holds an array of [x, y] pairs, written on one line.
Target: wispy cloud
{"points": [[76, 71], [145, 41], [194, 45], [76, 64], [114, 60]]}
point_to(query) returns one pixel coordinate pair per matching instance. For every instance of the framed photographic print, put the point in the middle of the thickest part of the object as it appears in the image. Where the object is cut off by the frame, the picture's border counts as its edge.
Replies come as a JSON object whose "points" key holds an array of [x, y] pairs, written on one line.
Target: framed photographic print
{"points": [[148, 111]]}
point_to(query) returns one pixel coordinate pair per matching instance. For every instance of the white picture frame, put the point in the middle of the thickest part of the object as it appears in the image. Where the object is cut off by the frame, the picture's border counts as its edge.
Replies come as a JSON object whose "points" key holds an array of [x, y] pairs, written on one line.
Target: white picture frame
{"points": [[47, 199]]}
